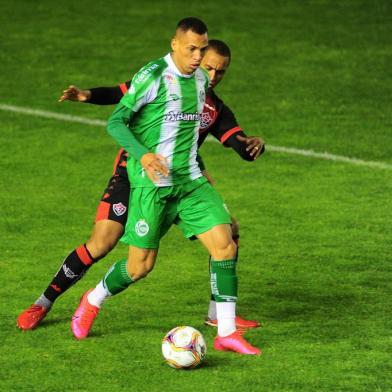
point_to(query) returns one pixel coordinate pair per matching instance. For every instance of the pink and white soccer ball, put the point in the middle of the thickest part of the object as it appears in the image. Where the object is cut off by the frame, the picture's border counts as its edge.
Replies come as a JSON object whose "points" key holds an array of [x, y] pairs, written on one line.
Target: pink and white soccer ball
{"points": [[184, 348]]}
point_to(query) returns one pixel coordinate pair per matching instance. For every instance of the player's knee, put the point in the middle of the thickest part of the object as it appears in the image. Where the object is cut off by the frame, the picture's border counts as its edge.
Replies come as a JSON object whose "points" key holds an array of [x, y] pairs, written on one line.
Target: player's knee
{"points": [[100, 246], [104, 238], [139, 272], [232, 249], [226, 251], [139, 267]]}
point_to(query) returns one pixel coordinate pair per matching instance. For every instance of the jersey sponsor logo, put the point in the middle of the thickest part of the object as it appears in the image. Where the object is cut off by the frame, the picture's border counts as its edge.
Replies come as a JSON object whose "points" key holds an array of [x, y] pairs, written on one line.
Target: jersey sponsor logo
{"points": [[141, 228], [119, 209], [143, 75], [181, 116], [69, 273]]}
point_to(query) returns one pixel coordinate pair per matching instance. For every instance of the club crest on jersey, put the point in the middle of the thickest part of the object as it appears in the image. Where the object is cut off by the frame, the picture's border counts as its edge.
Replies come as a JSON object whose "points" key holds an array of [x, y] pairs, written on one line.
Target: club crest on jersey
{"points": [[119, 209], [141, 228], [174, 97], [208, 116], [205, 120]]}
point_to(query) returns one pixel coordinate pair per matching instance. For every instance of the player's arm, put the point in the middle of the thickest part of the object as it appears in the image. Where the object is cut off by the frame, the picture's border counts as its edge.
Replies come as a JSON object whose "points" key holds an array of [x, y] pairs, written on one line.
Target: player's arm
{"points": [[143, 90], [230, 134], [154, 164], [96, 95], [117, 127], [248, 147]]}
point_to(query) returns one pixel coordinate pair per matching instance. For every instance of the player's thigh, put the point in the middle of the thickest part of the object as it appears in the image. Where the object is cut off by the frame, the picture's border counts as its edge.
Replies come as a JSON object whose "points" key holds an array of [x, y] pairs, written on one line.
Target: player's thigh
{"points": [[115, 198], [201, 210], [146, 213]]}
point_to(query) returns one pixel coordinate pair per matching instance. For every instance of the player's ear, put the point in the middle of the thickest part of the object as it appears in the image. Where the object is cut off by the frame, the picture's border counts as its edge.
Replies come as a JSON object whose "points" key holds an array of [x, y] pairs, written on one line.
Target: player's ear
{"points": [[174, 44]]}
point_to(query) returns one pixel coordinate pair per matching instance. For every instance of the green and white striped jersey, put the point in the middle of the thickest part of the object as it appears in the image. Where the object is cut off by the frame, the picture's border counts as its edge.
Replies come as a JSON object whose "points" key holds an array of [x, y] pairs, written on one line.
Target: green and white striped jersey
{"points": [[167, 106]]}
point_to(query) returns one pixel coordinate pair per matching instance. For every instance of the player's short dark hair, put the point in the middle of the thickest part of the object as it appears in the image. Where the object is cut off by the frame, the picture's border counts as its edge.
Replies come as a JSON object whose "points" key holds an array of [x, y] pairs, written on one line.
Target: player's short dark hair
{"points": [[220, 47], [194, 24]]}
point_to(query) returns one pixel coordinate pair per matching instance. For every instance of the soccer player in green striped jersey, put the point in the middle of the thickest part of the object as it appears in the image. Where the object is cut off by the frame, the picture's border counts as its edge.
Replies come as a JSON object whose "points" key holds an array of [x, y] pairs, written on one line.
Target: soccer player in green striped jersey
{"points": [[217, 119], [157, 123]]}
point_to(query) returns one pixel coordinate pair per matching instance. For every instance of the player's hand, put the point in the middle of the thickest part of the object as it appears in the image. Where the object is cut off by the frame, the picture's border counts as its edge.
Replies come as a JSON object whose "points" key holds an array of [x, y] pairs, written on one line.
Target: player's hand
{"points": [[73, 93], [254, 144], [155, 166]]}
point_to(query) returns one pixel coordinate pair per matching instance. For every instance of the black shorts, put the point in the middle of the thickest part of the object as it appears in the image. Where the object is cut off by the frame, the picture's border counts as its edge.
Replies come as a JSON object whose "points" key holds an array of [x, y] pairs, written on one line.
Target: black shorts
{"points": [[114, 201]]}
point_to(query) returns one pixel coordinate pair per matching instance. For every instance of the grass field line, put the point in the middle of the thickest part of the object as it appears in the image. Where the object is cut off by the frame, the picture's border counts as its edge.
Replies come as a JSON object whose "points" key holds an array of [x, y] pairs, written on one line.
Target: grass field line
{"points": [[280, 149]]}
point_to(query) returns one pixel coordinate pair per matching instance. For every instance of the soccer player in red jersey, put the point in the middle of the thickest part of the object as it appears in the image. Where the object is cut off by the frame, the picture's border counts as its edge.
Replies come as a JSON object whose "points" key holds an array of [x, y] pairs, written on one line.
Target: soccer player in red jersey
{"points": [[217, 119]]}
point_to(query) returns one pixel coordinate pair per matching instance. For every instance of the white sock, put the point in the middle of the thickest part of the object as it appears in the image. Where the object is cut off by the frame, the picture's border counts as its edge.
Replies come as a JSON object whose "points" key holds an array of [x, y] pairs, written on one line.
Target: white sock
{"points": [[98, 295], [212, 310], [225, 312]]}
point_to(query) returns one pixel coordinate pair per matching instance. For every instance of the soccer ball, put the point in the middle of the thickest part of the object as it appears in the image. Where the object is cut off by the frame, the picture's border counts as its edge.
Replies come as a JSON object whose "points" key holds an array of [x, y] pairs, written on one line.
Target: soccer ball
{"points": [[184, 348]]}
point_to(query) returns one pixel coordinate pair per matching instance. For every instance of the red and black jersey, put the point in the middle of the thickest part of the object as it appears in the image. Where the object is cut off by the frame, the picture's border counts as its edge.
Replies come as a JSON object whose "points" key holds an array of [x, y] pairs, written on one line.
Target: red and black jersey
{"points": [[217, 119]]}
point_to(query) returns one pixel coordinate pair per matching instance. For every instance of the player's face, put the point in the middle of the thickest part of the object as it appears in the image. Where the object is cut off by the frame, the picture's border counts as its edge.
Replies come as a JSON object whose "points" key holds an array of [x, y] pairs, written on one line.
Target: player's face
{"points": [[216, 66], [188, 50]]}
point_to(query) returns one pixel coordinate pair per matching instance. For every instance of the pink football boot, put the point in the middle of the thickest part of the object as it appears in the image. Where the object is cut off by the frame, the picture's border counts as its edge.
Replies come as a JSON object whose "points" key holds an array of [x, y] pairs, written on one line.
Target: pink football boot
{"points": [[235, 342], [83, 318]]}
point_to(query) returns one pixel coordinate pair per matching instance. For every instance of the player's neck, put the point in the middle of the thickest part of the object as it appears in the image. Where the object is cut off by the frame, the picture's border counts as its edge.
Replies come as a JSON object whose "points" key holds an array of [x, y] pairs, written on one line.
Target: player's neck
{"points": [[178, 67]]}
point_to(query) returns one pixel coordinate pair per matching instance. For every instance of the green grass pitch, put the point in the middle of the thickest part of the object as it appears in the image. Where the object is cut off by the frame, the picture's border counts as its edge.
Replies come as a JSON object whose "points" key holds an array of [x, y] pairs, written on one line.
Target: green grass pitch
{"points": [[316, 254]]}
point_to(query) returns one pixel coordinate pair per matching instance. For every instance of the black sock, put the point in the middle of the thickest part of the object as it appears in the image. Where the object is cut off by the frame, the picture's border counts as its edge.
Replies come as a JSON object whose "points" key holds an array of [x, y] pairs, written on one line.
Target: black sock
{"points": [[73, 268]]}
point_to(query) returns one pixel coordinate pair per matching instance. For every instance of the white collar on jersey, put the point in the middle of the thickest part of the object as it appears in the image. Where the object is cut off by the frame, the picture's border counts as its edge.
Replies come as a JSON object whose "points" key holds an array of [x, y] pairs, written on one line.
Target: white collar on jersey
{"points": [[169, 60]]}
